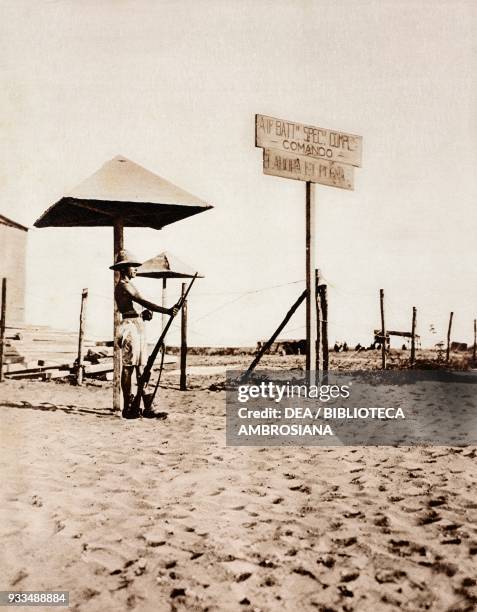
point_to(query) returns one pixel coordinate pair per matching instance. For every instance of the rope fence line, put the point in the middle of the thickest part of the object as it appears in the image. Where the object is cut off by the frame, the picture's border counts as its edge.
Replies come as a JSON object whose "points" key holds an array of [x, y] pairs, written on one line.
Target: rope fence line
{"points": [[396, 307], [251, 291]]}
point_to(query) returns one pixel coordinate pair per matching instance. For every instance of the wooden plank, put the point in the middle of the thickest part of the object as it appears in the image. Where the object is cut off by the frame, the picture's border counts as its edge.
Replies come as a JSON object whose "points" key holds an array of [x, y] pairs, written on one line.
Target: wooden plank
{"points": [[14, 371], [377, 332], [300, 168], [98, 368], [42, 375], [310, 141]]}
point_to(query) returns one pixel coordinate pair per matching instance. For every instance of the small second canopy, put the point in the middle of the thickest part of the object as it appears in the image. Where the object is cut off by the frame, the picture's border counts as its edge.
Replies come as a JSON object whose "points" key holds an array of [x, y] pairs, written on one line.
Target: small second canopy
{"points": [[166, 265]]}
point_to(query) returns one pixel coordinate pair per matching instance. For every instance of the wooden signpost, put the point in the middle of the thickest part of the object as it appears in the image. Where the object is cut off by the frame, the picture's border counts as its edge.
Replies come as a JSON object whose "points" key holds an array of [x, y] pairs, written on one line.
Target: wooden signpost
{"points": [[314, 155]]}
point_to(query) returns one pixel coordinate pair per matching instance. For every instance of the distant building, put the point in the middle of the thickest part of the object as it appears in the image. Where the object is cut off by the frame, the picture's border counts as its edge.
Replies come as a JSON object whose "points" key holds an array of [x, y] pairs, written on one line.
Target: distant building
{"points": [[13, 242]]}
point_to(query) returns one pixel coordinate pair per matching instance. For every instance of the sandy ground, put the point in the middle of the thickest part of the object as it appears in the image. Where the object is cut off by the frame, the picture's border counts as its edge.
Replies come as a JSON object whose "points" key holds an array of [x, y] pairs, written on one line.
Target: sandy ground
{"points": [[161, 515]]}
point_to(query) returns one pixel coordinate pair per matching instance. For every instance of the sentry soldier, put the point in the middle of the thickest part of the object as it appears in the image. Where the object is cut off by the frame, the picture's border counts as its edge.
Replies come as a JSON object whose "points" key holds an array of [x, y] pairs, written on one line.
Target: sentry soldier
{"points": [[132, 331]]}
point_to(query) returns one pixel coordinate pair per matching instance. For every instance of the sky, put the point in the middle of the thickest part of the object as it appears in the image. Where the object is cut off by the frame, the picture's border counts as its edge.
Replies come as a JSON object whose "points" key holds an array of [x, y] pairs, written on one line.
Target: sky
{"points": [[174, 86]]}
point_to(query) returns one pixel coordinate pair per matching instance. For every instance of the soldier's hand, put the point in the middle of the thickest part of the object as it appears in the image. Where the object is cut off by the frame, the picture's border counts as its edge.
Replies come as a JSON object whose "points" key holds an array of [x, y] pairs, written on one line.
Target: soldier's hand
{"points": [[146, 315], [173, 311]]}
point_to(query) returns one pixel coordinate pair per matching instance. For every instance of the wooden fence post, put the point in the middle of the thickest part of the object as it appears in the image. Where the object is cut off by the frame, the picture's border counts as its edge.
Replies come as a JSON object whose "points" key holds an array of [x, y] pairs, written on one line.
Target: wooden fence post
{"points": [[310, 278], [80, 371], [183, 377], [324, 326], [413, 337], [449, 336], [164, 302], [3, 322], [475, 341], [318, 321], [383, 330]]}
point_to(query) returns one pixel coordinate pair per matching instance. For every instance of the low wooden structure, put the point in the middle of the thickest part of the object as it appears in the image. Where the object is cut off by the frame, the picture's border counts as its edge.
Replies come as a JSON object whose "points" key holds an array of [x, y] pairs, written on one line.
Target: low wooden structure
{"points": [[284, 346], [378, 337]]}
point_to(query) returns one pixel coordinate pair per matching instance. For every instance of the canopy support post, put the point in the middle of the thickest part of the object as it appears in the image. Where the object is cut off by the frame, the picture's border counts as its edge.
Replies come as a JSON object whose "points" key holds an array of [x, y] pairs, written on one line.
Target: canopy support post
{"points": [[118, 246]]}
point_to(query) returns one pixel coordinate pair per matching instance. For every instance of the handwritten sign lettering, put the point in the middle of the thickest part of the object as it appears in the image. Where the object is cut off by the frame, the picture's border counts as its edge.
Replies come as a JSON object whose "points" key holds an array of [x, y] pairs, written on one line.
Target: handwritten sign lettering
{"points": [[301, 168], [309, 141]]}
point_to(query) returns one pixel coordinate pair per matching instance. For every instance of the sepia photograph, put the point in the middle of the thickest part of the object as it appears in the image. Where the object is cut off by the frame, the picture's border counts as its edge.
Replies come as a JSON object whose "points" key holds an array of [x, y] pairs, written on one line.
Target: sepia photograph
{"points": [[238, 305]]}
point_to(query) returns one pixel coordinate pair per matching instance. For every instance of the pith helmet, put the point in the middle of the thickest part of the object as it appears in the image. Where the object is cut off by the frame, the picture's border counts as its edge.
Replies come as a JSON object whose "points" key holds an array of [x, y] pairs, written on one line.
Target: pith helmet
{"points": [[125, 258]]}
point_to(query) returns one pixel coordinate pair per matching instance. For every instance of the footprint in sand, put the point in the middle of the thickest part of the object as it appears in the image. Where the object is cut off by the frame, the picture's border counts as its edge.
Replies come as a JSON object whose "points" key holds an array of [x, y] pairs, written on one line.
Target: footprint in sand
{"points": [[36, 501], [381, 520], [196, 555], [428, 517], [346, 541], [350, 576], [384, 576], [109, 560], [302, 488], [218, 492], [18, 577]]}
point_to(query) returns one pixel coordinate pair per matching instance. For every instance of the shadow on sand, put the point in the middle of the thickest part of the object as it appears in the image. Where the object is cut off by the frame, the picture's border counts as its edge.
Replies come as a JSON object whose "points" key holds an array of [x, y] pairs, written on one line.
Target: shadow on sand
{"points": [[67, 409]]}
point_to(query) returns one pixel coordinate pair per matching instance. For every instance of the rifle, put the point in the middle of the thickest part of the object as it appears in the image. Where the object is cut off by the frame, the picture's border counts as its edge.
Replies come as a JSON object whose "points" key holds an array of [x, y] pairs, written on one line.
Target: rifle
{"points": [[146, 375]]}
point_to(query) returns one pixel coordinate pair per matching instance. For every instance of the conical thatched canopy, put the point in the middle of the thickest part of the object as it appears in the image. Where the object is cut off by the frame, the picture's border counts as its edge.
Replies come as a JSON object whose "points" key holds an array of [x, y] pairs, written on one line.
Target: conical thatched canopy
{"points": [[166, 265], [122, 189]]}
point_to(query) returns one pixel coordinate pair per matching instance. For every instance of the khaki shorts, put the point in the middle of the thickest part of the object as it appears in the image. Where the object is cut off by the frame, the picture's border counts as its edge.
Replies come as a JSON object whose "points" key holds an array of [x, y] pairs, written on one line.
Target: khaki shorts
{"points": [[132, 336]]}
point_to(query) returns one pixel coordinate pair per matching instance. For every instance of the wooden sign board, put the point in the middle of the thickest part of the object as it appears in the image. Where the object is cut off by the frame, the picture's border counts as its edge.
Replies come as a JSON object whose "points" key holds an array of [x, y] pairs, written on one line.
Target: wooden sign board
{"points": [[303, 168], [306, 140]]}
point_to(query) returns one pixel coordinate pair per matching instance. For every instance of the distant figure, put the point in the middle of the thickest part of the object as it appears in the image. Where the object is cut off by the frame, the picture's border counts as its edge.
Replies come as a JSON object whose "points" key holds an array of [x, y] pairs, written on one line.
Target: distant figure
{"points": [[404, 347], [336, 348], [132, 331], [345, 347], [357, 347]]}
